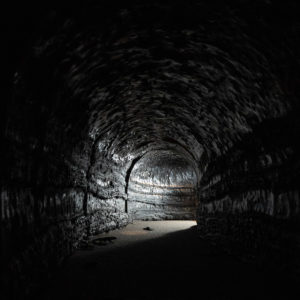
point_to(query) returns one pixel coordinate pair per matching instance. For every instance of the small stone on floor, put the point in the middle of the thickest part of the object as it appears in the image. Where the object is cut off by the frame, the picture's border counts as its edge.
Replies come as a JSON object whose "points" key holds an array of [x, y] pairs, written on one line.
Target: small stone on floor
{"points": [[148, 228]]}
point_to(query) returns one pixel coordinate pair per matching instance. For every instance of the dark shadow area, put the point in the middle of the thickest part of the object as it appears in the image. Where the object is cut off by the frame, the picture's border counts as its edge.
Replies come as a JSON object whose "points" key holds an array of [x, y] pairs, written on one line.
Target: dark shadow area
{"points": [[104, 241], [177, 266]]}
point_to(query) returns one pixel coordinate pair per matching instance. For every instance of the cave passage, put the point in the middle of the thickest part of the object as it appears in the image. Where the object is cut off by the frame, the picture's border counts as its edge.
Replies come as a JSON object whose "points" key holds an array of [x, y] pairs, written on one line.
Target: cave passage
{"points": [[119, 112], [162, 185]]}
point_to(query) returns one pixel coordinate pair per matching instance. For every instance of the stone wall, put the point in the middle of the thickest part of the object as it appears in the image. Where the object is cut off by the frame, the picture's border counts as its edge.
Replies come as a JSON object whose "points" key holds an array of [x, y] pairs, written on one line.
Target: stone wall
{"points": [[48, 206], [162, 185], [249, 199]]}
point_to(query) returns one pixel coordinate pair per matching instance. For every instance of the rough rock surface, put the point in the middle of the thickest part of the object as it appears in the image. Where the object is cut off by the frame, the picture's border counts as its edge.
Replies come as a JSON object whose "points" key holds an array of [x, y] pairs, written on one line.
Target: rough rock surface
{"points": [[94, 89], [162, 185]]}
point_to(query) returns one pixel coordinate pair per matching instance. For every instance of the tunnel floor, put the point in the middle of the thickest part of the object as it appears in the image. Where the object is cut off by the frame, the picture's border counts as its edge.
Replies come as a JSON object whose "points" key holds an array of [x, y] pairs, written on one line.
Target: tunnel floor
{"points": [[169, 261]]}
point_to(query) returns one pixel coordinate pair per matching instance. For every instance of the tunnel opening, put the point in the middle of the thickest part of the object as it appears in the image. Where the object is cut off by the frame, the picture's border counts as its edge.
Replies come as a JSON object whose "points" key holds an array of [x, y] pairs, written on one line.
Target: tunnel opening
{"points": [[162, 185]]}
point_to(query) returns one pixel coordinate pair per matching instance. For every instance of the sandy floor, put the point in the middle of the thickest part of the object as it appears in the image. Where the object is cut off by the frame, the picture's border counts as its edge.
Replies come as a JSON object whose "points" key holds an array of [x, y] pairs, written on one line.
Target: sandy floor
{"points": [[167, 262], [135, 233]]}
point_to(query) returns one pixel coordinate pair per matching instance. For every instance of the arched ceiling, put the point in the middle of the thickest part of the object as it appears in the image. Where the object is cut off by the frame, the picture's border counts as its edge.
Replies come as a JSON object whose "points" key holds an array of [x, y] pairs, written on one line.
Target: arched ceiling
{"points": [[164, 169], [134, 78]]}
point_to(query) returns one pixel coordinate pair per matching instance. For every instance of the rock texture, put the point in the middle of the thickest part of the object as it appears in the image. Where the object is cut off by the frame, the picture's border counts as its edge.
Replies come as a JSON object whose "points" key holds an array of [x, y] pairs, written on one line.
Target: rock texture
{"points": [[96, 93], [250, 196], [162, 185]]}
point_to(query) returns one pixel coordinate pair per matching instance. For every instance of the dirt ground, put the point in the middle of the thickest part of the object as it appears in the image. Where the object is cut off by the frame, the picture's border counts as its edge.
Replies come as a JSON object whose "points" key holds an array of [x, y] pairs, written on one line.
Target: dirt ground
{"points": [[162, 260]]}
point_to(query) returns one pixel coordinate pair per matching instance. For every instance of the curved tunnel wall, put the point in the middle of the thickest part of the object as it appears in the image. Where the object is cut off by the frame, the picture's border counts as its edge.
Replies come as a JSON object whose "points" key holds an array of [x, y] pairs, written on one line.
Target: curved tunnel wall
{"points": [[162, 185], [94, 88]]}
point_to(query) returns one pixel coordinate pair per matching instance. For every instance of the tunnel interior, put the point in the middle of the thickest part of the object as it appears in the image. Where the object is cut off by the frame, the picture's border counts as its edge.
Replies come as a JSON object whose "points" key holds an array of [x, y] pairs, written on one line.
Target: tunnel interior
{"points": [[119, 111], [162, 185]]}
